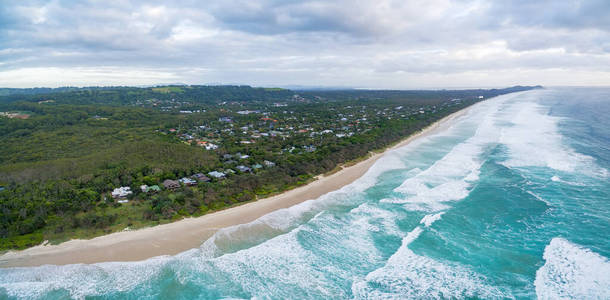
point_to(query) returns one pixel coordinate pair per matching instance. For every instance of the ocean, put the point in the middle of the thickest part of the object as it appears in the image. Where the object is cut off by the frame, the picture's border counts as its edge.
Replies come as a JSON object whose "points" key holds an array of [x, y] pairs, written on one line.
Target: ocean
{"points": [[512, 200]]}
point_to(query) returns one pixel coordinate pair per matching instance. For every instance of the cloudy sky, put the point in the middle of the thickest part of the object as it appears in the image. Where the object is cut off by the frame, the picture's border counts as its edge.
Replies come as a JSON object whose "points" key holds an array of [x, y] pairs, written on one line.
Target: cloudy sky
{"points": [[397, 44]]}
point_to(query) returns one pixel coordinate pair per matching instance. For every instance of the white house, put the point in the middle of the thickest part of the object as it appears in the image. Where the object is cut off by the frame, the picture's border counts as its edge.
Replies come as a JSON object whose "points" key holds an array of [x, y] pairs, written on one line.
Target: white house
{"points": [[217, 174], [188, 181], [121, 192], [210, 146]]}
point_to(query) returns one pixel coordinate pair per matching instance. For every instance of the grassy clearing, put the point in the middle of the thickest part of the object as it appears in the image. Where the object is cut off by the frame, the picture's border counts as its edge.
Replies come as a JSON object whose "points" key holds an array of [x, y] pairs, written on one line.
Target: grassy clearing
{"points": [[168, 89]]}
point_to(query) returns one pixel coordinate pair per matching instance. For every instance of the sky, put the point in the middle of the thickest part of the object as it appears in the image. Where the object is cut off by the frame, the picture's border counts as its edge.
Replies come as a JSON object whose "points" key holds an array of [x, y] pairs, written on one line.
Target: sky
{"points": [[381, 44]]}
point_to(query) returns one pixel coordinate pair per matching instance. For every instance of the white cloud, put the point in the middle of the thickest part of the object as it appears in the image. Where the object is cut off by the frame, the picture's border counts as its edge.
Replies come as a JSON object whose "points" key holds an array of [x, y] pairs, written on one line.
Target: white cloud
{"points": [[383, 43]]}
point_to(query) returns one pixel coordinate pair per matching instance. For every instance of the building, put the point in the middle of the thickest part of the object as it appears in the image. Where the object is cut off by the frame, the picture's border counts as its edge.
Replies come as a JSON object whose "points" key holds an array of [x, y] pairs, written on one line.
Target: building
{"points": [[200, 177], [269, 163], [211, 146], [310, 148], [257, 166], [121, 192], [243, 169], [171, 184], [217, 174], [153, 188], [188, 181]]}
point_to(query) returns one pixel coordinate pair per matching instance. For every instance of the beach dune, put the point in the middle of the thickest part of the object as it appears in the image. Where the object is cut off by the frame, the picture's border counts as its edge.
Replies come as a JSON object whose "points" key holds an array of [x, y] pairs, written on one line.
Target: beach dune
{"points": [[173, 238]]}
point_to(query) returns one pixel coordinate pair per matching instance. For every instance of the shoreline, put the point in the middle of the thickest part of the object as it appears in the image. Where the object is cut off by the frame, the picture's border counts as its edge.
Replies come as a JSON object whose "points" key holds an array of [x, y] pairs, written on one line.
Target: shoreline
{"points": [[189, 233]]}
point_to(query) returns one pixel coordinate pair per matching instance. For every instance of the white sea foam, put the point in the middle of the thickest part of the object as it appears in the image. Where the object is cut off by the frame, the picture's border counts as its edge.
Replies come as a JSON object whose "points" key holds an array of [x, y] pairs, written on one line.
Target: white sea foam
{"points": [[283, 268], [429, 219], [389, 161], [79, 280], [276, 265], [539, 198], [534, 140], [407, 275], [278, 222], [375, 219], [451, 177], [558, 179], [572, 272]]}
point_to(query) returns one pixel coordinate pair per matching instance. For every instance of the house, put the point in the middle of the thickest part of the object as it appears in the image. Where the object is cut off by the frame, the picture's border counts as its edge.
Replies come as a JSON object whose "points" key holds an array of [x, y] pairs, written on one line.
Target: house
{"points": [[225, 119], [310, 148], [257, 166], [121, 192], [1, 188], [217, 174], [227, 156], [269, 163], [123, 201], [200, 177], [144, 188], [243, 169], [211, 146], [247, 112], [171, 184], [188, 181], [153, 188]]}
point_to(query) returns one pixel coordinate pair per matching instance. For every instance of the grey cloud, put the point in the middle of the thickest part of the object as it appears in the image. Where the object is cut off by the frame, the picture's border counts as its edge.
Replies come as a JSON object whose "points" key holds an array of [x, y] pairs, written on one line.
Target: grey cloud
{"points": [[238, 40], [568, 14]]}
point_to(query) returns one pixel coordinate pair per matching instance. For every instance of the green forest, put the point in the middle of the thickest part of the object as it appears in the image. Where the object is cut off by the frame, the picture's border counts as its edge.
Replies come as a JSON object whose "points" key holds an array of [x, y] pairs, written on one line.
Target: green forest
{"points": [[63, 151]]}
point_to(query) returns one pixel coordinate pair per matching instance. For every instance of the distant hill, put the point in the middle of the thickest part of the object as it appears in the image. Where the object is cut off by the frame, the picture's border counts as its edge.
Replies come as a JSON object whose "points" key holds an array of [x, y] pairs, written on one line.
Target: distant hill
{"points": [[118, 95], [130, 95]]}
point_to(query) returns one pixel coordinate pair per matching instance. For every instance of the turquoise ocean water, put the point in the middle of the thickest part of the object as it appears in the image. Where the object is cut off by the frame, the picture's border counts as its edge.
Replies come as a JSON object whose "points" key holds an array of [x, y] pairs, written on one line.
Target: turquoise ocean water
{"points": [[510, 201]]}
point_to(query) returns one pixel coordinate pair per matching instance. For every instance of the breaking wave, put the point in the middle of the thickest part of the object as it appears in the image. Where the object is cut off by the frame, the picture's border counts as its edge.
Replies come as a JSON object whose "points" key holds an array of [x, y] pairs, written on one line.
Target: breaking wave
{"points": [[572, 272]]}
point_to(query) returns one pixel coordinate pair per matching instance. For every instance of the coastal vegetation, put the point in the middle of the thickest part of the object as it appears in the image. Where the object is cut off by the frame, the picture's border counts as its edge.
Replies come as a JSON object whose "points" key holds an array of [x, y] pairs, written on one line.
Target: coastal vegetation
{"points": [[60, 165]]}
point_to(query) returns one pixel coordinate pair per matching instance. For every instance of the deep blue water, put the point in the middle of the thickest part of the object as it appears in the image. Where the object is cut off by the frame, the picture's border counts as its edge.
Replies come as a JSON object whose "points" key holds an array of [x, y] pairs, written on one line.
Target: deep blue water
{"points": [[511, 200]]}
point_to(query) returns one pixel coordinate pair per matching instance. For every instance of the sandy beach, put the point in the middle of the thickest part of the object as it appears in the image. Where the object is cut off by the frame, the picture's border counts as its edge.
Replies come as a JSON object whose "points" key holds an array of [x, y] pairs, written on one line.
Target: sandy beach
{"points": [[173, 238]]}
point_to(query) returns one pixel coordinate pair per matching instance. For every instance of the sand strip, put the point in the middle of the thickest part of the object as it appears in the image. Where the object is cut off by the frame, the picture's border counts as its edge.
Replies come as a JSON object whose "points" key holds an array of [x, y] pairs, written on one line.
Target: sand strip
{"points": [[173, 238]]}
